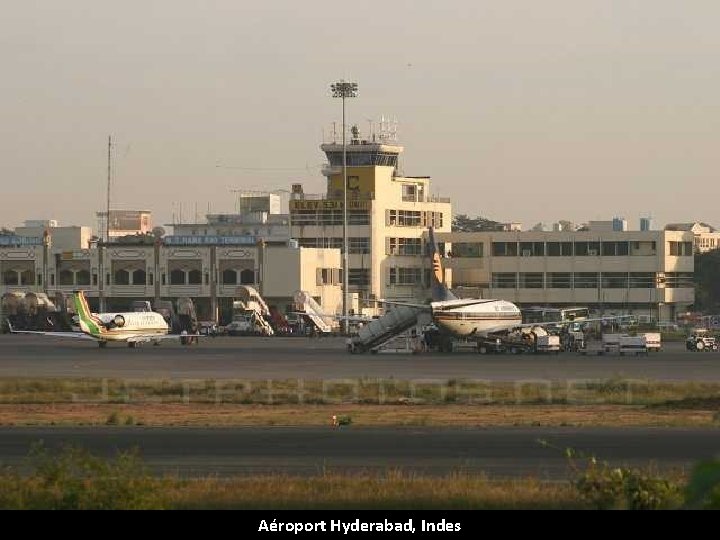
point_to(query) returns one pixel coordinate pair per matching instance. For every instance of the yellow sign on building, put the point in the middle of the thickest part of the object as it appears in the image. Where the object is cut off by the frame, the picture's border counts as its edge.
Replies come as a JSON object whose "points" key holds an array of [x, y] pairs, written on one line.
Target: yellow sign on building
{"points": [[330, 204]]}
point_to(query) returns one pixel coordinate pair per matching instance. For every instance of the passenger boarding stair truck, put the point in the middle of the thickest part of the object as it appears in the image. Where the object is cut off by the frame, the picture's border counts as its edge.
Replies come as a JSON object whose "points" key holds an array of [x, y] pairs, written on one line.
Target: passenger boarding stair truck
{"points": [[378, 332], [251, 315], [306, 304]]}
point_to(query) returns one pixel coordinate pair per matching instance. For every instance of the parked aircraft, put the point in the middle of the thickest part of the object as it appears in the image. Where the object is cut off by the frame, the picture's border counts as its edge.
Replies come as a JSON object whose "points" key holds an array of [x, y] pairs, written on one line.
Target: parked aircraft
{"points": [[131, 328], [467, 317]]}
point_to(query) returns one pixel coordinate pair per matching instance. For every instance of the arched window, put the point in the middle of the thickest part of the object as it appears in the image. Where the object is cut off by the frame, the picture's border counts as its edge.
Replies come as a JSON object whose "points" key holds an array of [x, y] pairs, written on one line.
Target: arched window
{"points": [[82, 277], [122, 277], [195, 277], [10, 277], [26, 277], [138, 277], [247, 277], [177, 277], [66, 277], [229, 277]]}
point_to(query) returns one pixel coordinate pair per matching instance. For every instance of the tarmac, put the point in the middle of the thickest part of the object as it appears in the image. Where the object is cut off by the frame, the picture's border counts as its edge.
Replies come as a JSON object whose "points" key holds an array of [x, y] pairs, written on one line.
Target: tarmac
{"points": [[326, 358], [497, 452]]}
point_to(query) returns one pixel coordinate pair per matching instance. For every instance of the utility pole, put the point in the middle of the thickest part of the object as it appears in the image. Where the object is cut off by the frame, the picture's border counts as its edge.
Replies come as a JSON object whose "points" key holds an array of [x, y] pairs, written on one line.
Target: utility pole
{"points": [[109, 182], [343, 89]]}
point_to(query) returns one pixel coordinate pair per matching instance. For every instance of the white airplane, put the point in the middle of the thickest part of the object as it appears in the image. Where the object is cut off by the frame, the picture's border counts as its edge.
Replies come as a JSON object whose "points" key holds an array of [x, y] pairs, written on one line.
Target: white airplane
{"points": [[467, 317], [131, 328]]}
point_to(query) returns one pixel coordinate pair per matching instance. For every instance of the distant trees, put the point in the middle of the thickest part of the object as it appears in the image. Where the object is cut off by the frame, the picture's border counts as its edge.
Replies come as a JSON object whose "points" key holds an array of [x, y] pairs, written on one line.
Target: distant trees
{"points": [[464, 223]]}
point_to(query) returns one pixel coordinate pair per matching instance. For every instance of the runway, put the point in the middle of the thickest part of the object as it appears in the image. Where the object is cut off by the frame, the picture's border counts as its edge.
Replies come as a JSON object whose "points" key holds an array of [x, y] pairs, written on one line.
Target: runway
{"points": [[501, 452], [326, 358]]}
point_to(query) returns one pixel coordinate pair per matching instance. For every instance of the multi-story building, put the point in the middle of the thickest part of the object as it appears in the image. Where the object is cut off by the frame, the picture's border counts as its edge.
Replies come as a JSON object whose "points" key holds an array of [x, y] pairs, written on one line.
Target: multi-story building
{"points": [[206, 269], [258, 215], [705, 237], [125, 223], [65, 237], [387, 215], [644, 272]]}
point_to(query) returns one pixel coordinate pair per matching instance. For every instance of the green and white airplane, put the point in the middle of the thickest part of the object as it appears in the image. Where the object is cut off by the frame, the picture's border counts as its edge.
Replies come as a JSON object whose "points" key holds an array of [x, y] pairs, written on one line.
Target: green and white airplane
{"points": [[131, 328]]}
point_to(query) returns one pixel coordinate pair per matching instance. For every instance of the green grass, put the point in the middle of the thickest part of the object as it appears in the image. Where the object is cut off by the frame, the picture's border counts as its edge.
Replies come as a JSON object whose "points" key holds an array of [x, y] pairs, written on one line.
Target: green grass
{"points": [[617, 390]]}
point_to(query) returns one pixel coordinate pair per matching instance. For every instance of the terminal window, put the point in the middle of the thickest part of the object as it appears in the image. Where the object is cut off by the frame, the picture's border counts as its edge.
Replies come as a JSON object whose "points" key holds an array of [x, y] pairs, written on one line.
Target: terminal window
{"points": [[504, 280], [409, 218], [404, 246], [614, 280], [405, 276], [642, 280], [532, 249], [675, 280], [505, 249], [467, 249], [681, 249], [586, 280], [559, 280], [559, 249], [617, 249], [359, 277], [359, 244], [531, 280], [587, 249]]}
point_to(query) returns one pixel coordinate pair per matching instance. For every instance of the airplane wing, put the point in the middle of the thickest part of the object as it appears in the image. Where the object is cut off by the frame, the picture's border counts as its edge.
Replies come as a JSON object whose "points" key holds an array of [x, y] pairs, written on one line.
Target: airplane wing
{"points": [[555, 323], [351, 318], [158, 337], [71, 335], [421, 307]]}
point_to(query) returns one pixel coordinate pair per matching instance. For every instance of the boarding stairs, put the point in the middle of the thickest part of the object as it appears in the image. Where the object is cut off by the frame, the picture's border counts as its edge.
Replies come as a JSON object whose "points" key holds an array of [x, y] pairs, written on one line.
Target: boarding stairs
{"points": [[306, 304], [255, 306], [379, 332]]}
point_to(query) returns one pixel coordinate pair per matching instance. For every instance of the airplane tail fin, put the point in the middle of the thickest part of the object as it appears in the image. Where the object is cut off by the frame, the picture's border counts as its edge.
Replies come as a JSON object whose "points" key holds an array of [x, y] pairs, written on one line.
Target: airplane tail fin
{"points": [[440, 291], [89, 323]]}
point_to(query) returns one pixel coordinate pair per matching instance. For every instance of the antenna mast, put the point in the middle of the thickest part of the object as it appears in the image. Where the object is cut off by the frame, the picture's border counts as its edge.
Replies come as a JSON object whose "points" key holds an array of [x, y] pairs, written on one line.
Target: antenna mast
{"points": [[109, 180]]}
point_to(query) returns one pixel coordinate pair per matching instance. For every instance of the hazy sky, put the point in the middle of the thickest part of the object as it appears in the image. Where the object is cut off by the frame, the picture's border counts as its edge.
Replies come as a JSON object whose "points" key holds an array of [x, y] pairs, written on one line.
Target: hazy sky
{"points": [[519, 110]]}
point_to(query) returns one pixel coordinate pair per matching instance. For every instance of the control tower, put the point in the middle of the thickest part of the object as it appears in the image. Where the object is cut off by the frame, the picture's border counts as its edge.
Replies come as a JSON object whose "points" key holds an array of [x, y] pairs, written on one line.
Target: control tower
{"points": [[388, 213]]}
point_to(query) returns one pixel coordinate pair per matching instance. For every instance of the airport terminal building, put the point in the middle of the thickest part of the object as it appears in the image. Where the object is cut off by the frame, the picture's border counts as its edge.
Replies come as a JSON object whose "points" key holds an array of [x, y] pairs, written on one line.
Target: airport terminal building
{"points": [[648, 273], [207, 269]]}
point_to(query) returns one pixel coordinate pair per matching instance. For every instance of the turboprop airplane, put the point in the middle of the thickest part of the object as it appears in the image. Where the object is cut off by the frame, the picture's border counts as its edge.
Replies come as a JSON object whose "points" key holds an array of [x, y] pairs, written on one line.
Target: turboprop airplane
{"points": [[131, 328], [472, 317]]}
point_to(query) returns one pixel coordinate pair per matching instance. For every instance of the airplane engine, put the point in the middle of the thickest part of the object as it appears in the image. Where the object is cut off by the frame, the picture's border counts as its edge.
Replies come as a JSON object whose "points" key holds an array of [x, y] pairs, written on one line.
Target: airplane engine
{"points": [[118, 321]]}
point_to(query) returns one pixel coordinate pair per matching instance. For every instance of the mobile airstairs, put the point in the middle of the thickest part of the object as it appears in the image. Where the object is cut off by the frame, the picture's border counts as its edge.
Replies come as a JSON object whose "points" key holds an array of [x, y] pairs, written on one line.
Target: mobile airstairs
{"points": [[396, 331], [307, 305], [253, 309]]}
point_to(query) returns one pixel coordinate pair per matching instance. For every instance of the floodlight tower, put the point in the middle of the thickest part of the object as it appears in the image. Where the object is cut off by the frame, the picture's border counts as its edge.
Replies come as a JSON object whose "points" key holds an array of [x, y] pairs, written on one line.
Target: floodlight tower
{"points": [[344, 89]]}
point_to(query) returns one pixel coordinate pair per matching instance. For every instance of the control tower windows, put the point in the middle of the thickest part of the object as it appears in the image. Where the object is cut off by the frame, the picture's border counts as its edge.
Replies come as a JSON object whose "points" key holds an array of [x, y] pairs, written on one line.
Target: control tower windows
{"points": [[363, 159]]}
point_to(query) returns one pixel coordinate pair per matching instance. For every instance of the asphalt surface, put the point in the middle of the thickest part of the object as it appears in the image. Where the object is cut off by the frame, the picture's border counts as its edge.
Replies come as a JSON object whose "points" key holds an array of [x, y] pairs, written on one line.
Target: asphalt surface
{"points": [[326, 358], [501, 452]]}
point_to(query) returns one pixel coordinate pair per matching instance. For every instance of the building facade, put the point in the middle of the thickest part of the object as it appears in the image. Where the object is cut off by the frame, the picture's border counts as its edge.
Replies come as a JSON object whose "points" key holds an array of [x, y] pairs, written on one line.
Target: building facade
{"points": [[649, 273], [387, 216], [208, 270], [705, 237]]}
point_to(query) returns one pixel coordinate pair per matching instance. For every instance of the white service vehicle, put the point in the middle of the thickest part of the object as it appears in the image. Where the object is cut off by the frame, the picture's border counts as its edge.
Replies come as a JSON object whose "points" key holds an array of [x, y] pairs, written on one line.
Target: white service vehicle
{"points": [[700, 340], [632, 345], [653, 341], [611, 342]]}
